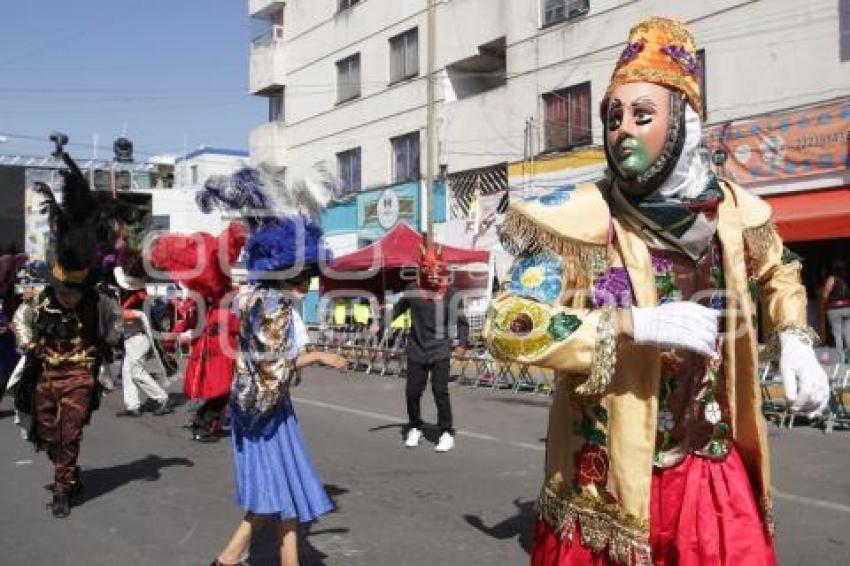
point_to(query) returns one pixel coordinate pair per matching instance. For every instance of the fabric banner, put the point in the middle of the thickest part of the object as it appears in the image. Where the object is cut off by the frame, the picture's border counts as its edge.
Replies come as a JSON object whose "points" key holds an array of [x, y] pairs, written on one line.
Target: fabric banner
{"points": [[36, 225], [784, 145]]}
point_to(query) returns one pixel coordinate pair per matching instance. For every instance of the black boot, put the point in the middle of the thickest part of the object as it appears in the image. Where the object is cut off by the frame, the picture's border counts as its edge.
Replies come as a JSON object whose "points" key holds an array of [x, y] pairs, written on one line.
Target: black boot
{"points": [[61, 506], [77, 491]]}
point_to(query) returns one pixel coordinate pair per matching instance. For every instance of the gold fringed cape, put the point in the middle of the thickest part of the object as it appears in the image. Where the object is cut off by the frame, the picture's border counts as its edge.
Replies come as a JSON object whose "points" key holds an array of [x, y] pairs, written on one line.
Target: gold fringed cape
{"points": [[602, 423]]}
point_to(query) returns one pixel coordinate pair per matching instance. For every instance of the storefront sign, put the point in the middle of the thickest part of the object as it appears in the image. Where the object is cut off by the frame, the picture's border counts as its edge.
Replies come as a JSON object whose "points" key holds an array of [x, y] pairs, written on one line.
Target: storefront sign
{"points": [[786, 145], [380, 210], [388, 209]]}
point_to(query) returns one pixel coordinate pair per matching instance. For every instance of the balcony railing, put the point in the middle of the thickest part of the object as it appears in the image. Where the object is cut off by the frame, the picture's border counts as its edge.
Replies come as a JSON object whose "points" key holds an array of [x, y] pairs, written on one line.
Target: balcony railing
{"points": [[268, 69], [262, 8], [272, 35]]}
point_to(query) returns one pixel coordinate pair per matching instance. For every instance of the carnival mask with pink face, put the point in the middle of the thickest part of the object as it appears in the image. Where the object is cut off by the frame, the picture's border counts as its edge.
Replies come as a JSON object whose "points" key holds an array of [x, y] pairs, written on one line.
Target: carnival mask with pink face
{"points": [[642, 135]]}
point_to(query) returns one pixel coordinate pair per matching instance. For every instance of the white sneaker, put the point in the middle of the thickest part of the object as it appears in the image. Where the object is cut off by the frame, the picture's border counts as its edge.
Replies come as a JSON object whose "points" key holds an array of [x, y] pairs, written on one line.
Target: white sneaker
{"points": [[446, 443], [413, 436]]}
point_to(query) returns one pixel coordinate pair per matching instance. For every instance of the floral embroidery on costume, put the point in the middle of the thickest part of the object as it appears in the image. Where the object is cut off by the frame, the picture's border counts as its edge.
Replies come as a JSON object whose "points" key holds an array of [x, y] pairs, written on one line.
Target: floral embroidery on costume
{"points": [[691, 404], [562, 325], [538, 277], [553, 197], [665, 278], [521, 328], [613, 288], [592, 463]]}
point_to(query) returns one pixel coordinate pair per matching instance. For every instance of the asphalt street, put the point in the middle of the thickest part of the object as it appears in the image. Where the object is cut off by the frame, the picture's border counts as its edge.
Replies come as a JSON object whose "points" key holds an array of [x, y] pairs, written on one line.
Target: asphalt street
{"points": [[155, 497]]}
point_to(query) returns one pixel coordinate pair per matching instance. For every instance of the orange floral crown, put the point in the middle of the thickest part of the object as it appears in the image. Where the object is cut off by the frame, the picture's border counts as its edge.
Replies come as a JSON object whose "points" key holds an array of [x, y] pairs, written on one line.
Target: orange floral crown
{"points": [[660, 51]]}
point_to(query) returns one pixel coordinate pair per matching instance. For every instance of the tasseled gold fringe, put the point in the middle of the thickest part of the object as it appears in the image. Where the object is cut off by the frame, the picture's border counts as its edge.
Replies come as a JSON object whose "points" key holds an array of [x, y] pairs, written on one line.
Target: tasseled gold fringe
{"points": [[626, 538], [520, 235]]}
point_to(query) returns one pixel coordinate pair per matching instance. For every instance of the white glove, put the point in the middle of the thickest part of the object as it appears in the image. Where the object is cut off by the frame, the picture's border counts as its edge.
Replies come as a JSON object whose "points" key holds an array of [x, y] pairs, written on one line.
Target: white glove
{"points": [[805, 381], [677, 325]]}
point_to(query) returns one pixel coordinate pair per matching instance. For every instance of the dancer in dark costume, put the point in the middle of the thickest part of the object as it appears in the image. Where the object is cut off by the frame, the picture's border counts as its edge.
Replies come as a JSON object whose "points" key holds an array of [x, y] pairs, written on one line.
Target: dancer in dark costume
{"points": [[70, 330]]}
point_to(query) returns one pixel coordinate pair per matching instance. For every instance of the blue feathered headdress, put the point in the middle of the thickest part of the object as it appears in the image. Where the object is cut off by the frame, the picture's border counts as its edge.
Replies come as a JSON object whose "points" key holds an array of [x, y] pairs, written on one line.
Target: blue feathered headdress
{"points": [[283, 244], [283, 236]]}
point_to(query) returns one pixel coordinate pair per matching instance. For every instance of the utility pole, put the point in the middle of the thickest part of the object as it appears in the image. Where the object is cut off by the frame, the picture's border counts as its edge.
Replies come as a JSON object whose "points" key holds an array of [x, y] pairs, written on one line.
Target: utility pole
{"points": [[429, 133]]}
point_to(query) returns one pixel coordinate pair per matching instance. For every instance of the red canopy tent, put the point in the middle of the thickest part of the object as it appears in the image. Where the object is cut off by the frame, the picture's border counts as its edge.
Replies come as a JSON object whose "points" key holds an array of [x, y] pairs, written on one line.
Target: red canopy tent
{"points": [[390, 263]]}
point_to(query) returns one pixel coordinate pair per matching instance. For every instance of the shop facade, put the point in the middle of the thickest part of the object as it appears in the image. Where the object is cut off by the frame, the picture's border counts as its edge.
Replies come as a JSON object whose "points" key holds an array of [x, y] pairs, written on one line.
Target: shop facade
{"points": [[798, 160]]}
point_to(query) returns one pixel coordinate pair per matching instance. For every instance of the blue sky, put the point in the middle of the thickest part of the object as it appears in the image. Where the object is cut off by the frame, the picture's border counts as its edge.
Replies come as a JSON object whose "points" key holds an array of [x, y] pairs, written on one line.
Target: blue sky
{"points": [[161, 71]]}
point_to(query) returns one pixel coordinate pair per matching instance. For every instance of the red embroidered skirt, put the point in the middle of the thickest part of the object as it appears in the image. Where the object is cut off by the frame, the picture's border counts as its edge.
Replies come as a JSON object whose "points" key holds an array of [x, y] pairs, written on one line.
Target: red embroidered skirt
{"points": [[702, 513], [209, 371]]}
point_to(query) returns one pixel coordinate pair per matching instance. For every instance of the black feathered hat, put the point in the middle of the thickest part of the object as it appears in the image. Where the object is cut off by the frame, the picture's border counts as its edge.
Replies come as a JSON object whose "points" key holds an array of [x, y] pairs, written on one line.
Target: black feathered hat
{"points": [[81, 227]]}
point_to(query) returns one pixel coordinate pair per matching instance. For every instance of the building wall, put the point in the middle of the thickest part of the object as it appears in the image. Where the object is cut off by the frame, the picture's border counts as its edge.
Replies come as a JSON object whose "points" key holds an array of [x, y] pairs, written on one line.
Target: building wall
{"points": [[176, 208], [12, 189], [762, 56], [209, 163], [184, 217]]}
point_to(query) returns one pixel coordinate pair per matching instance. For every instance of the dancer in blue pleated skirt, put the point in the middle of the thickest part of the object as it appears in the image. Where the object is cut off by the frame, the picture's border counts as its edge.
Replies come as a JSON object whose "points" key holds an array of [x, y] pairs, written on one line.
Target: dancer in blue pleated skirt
{"points": [[275, 477]]}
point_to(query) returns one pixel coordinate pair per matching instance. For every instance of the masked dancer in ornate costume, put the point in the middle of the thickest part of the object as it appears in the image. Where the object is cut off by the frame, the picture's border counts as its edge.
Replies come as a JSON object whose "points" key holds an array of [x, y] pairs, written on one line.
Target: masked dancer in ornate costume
{"points": [[635, 291], [70, 330], [202, 263], [434, 309], [10, 263], [274, 474], [143, 367]]}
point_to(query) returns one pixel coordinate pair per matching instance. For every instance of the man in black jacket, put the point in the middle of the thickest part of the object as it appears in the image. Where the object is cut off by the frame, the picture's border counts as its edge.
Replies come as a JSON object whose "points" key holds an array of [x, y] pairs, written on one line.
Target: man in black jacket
{"points": [[435, 308]]}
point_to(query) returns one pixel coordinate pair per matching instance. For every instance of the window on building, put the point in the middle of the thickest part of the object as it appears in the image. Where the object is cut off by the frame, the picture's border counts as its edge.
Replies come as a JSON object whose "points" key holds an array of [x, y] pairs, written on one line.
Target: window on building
{"points": [[406, 158], [568, 117], [702, 85], [844, 29], [348, 78], [348, 166], [276, 102], [404, 55], [346, 4], [193, 173], [555, 11], [123, 181]]}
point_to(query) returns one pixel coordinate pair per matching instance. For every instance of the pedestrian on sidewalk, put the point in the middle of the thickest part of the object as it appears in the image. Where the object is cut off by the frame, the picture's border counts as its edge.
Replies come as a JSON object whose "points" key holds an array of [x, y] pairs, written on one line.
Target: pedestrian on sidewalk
{"points": [[835, 296], [275, 477], [143, 363], [435, 309], [69, 331], [201, 263]]}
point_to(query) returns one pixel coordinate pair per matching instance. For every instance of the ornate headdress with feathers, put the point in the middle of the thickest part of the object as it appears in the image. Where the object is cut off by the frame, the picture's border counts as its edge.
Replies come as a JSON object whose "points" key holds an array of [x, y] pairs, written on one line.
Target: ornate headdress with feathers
{"points": [[200, 261], [285, 233], [83, 228]]}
